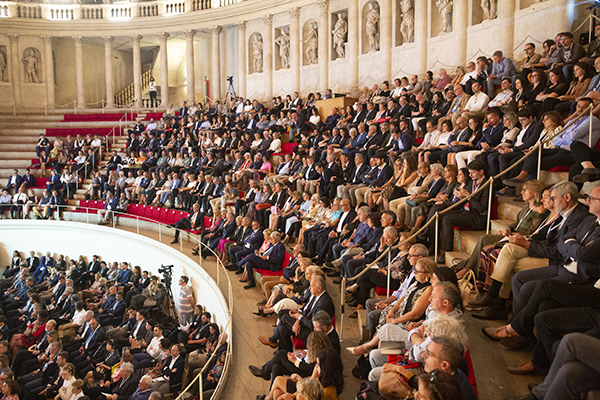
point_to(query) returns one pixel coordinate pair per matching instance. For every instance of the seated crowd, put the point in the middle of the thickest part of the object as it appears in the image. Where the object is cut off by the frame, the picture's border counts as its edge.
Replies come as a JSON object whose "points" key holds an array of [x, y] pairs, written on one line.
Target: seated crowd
{"points": [[348, 198], [72, 330]]}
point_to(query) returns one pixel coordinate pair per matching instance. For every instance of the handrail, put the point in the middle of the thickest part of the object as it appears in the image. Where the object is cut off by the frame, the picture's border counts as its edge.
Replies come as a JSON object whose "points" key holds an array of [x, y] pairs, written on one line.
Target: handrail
{"points": [[220, 265], [435, 218]]}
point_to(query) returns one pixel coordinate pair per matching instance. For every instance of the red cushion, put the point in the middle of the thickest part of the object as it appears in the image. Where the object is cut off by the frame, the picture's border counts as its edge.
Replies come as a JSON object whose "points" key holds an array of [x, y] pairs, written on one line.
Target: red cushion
{"points": [[598, 145], [286, 259], [299, 343], [207, 222], [155, 213], [288, 147], [163, 216], [559, 169], [268, 272], [380, 291], [83, 203]]}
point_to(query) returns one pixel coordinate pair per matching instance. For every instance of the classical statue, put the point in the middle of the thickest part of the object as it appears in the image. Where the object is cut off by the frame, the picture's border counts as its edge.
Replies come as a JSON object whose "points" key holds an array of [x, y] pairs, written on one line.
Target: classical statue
{"points": [[31, 65], [2, 66], [489, 8], [372, 24], [339, 36], [257, 53], [445, 10], [284, 48], [312, 43], [407, 28]]}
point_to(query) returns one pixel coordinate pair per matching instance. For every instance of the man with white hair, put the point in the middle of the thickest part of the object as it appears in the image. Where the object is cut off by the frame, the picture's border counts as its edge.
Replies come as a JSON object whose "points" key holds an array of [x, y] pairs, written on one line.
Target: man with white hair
{"points": [[271, 259], [123, 389], [143, 391]]}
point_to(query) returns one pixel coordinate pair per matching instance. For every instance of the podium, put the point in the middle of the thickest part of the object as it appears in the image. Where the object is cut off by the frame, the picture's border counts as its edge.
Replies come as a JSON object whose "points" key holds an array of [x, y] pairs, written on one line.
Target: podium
{"points": [[325, 106]]}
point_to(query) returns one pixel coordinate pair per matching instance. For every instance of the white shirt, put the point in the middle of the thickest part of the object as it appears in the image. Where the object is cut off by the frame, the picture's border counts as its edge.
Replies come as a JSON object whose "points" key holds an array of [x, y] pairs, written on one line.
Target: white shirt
{"points": [[519, 138], [154, 347], [152, 86], [79, 317], [502, 97], [477, 102], [430, 139], [468, 76]]}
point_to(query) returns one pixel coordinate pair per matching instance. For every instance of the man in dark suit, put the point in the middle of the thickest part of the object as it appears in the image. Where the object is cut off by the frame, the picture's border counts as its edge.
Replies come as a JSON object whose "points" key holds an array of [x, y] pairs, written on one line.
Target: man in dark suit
{"points": [[565, 196], [299, 322], [93, 268], [14, 181], [272, 259], [114, 314], [90, 344], [193, 221], [359, 117], [527, 138], [342, 229], [50, 381], [473, 213], [251, 243], [120, 390], [173, 371], [28, 178]]}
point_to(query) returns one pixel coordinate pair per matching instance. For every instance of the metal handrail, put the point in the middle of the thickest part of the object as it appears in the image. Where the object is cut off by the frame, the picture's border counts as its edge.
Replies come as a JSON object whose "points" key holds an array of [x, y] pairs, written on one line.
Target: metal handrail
{"points": [[220, 265]]}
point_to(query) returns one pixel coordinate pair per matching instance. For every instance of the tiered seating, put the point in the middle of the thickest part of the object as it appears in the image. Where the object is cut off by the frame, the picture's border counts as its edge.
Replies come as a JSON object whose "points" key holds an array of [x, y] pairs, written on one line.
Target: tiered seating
{"points": [[82, 131], [156, 115]]}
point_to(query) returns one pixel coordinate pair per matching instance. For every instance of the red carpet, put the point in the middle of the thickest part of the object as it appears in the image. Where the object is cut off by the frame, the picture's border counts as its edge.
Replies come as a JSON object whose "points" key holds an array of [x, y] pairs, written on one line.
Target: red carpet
{"points": [[82, 131], [98, 117], [156, 115]]}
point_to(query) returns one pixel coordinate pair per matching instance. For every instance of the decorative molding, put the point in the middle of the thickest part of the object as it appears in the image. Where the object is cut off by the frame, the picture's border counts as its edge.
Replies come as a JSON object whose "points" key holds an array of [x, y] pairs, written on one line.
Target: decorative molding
{"points": [[215, 30], [13, 37], [267, 19], [108, 39], [163, 36], [323, 5], [136, 37], [78, 40], [294, 12], [47, 39], [189, 33], [241, 24]]}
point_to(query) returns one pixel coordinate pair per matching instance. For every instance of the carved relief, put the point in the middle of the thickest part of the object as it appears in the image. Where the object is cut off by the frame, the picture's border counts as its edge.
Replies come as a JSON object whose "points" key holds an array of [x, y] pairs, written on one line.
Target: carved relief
{"points": [[372, 26], [407, 27], [445, 10], [283, 41], [3, 65], [256, 46], [311, 43], [490, 8]]}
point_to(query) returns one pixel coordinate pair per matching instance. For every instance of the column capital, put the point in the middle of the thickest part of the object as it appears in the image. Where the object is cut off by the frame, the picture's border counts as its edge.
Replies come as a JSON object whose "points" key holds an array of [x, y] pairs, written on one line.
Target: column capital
{"points": [[323, 5], [267, 19], [78, 40], [108, 39], [189, 33], [163, 35], [136, 38], [294, 12], [215, 30], [241, 24], [13, 37], [47, 39]]}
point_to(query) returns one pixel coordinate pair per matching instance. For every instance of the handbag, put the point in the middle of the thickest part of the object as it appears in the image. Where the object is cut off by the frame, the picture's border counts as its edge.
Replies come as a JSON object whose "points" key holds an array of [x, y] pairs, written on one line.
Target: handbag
{"points": [[386, 192], [395, 385], [468, 287], [262, 206], [416, 201]]}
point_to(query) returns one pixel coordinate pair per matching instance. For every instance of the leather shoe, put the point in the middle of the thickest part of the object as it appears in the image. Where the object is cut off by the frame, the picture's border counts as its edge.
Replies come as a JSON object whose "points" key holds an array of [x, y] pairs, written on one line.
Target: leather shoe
{"points": [[513, 182], [243, 280], [516, 343], [588, 174], [250, 285], [485, 300], [231, 267], [239, 271], [492, 314], [175, 241], [260, 313], [258, 372], [265, 340], [521, 371], [490, 332]]}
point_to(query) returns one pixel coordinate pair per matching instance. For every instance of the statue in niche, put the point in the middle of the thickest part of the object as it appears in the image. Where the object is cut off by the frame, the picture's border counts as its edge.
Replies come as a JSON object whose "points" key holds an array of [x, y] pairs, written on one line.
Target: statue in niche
{"points": [[284, 48], [31, 65], [489, 8], [257, 53], [2, 66], [445, 10], [407, 28], [312, 43], [372, 24], [339, 36]]}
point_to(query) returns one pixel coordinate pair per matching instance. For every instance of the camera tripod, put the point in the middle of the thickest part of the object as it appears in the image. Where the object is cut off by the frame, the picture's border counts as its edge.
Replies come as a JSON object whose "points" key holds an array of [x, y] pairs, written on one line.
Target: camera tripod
{"points": [[230, 89]]}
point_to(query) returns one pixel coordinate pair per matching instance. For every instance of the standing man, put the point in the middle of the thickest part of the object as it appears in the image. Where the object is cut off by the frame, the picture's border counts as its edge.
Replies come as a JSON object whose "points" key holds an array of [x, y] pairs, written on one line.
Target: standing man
{"points": [[186, 301]]}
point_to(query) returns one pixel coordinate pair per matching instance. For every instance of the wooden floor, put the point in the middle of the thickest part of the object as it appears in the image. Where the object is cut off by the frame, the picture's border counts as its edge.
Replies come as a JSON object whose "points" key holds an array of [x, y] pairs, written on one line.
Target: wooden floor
{"points": [[490, 359]]}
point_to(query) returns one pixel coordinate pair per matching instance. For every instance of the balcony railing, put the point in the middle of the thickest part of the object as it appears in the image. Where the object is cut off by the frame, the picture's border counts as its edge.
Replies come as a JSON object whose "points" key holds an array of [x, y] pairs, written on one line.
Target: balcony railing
{"points": [[119, 11]]}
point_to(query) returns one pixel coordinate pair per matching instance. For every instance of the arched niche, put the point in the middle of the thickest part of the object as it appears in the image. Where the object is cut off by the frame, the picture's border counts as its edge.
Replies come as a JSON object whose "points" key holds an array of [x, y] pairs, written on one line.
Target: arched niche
{"points": [[255, 53], [310, 42], [32, 65], [370, 32]]}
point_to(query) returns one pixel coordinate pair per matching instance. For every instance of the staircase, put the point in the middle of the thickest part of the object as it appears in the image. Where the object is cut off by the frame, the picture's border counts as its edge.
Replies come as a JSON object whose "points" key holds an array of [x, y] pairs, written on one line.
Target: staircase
{"points": [[127, 96]]}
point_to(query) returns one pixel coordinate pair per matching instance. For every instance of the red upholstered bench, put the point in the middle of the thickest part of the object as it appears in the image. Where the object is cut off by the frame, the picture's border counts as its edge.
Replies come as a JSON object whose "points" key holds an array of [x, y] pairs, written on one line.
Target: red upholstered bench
{"points": [[299, 343], [381, 291], [559, 169]]}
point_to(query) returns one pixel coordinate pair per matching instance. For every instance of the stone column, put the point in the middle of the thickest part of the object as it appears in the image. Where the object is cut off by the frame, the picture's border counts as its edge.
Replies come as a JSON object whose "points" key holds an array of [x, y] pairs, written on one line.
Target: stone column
{"points": [[110, 96], [137, 70], [385, 37], [460, 15], [216, 62], [79, 71], [268, 55], [49, 71], [189, 62], [352, 45], [323, 44], [421, 12], [164, 69], [506, 15], [242, 62], [15, 58], [295, 55]]}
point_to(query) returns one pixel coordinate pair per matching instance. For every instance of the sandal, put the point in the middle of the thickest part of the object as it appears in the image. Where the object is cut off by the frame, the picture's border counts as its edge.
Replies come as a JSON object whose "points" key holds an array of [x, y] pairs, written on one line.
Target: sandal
{"points": [[353, 315], [357, 351]]}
